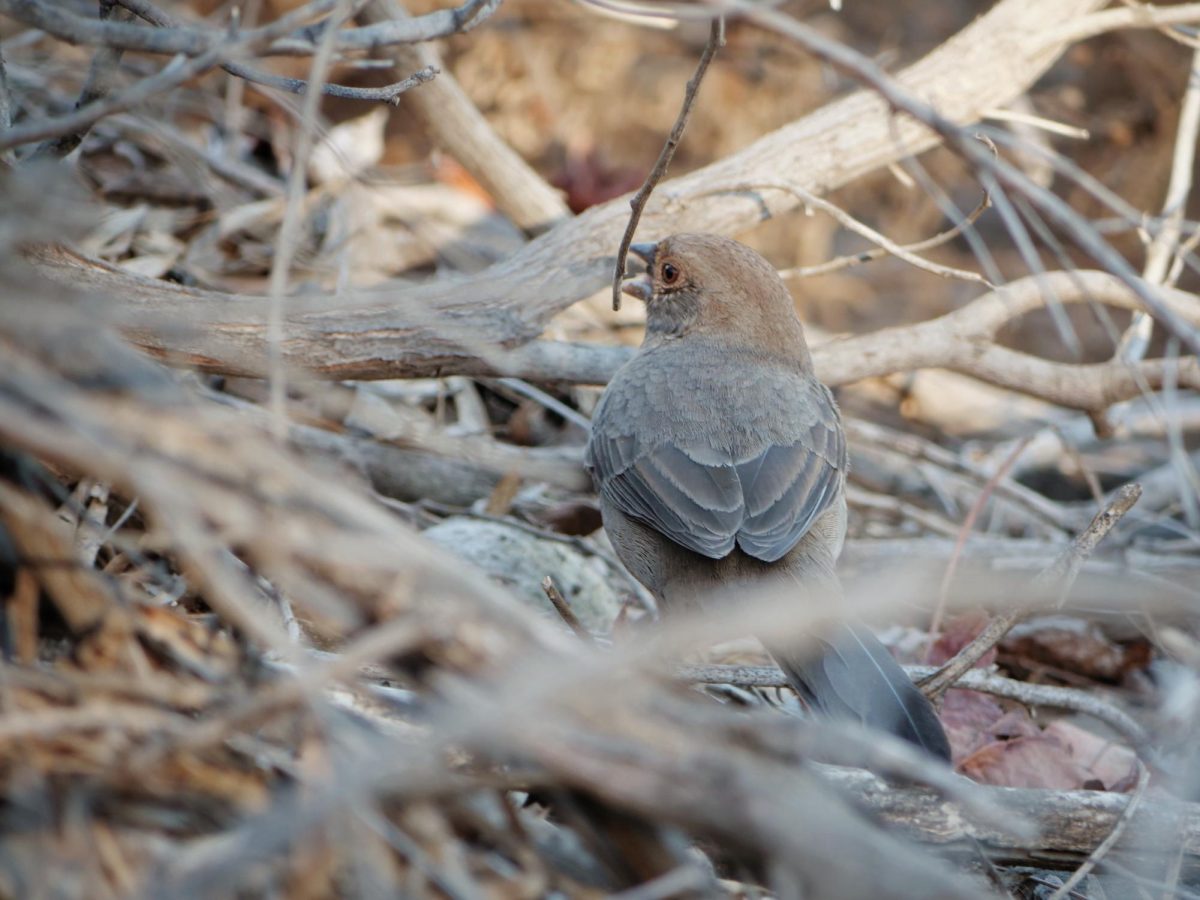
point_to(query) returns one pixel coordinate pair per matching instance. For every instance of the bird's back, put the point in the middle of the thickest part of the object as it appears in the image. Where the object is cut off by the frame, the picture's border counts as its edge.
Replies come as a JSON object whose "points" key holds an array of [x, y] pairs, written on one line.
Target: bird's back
{"points": [[700, 392], [718, 450]]}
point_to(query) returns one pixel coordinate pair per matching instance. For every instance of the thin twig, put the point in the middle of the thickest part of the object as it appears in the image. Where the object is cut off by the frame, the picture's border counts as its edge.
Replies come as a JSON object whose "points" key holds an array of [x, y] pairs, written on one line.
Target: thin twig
{"points": [[1107, 844], [7, 157], [524, 389], [992, 169], [231, 168], [99, 81], [864, 499], [294, 38], [854, 259], [5, 96], [1022, 118], [449, 119], [1141, 15], [716, 39], [1173, 33], [233, 108], [964, 532], [564, 608], [1060, 576], [177, 71], [1024, 692], [1136, 339], [285, 245], [388, 93], [848, 221]]}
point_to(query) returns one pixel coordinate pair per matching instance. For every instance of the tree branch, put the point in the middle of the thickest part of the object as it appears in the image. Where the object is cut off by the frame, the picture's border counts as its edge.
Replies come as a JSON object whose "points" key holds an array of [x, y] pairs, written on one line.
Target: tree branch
{"points": [[387, 94], [995, 171], [716, 39], [296, 39], [451, 120], [982, 67], [369, 344], [99, 82], [1059, 578]]}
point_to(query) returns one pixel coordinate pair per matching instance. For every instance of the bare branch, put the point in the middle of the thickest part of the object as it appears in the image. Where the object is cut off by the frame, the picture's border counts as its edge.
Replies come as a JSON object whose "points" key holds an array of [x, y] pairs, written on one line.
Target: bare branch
{"points": [[5, 96], [716, 39], [1163, 247], [1069, 822], [845, 262], [1143, 15], [977, 70], [300, 40], [1059, 577], [453, 123], [964, 531], [885, 244], [992, 167], [176, 72], [387, 94], [1024, 692], [99, 82], [332, 347], [285, 241], [1118, 828], [563, 608]]}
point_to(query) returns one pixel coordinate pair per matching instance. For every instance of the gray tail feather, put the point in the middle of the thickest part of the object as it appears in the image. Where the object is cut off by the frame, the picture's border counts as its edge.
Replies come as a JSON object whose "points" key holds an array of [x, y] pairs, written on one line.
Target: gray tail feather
{"points": [[856, 678]]}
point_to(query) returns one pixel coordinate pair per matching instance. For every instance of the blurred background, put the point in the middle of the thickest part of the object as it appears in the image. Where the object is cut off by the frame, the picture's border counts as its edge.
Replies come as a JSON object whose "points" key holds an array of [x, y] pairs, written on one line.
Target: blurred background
{"points": [[267, 596]]}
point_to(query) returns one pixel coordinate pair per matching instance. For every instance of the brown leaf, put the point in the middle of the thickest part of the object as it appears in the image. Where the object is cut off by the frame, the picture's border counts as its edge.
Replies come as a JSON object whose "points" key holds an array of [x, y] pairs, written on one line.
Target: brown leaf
{"points": [[1076, 646], [1030, 762], [1112, 764], [1060, 757], [967, 717]]}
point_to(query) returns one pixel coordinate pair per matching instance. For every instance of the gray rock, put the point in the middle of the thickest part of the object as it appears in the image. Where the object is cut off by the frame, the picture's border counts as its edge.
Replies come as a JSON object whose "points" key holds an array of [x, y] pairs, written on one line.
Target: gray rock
{"points": [[520, 561]]}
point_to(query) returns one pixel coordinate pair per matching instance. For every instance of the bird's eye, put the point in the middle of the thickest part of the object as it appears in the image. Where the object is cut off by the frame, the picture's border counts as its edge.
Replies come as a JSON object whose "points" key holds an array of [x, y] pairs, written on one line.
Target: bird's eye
{"points": [[670, 273]]}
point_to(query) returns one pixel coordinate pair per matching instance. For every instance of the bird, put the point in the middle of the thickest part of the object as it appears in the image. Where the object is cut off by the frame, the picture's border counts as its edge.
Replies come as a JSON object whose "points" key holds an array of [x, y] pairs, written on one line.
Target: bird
{"points": [[720, 460]]}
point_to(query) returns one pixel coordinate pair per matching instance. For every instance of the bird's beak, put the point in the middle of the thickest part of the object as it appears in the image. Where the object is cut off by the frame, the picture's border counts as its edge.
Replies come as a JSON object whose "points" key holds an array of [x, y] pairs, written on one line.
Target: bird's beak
{"points": [[645, 252], [638, 284]]}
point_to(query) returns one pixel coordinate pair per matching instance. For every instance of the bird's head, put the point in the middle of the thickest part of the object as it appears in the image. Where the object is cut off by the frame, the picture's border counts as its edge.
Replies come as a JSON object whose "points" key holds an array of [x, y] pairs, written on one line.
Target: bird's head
{"points": [[710, 285]]}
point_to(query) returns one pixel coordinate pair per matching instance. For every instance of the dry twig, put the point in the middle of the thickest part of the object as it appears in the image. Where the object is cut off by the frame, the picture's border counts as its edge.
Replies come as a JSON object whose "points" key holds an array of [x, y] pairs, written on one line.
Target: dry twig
{"points": [[1118, 828], [1026, 693], [908, 251], [289, 35], [994, 171], [387, 94], [716, 39], [1058, 578], [563, 608]]}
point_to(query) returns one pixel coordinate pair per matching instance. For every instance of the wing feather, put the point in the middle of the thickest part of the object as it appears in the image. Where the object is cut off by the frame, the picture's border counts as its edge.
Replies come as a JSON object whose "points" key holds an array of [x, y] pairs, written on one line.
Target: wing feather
{"points": [[763, 504]]}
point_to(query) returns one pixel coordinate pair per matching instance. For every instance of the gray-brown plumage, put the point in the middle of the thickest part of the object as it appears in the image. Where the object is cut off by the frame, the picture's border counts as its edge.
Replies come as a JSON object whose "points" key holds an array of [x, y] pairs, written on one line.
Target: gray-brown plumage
{"points": [[720, 459]]}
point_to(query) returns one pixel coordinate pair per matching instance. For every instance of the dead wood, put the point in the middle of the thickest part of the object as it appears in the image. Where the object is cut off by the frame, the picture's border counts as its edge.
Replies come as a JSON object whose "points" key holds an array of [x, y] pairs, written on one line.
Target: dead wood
{"points": [[448, 325], [307, 651]]}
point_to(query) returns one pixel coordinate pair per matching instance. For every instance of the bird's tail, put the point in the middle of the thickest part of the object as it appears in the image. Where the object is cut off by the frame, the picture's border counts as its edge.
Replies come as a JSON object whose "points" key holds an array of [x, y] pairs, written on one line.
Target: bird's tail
{"points": [[856, 678]]}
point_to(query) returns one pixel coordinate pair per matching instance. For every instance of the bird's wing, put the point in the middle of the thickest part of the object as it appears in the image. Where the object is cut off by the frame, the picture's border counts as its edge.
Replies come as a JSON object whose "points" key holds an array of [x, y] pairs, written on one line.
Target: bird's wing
{"points": [[786, 488], [709, 501]]}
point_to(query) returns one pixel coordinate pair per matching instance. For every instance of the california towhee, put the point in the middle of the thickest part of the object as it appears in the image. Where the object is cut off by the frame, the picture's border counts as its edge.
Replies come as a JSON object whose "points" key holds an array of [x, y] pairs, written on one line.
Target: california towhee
{"points": [[720, 459]]}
